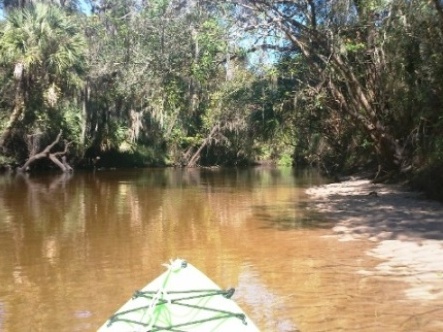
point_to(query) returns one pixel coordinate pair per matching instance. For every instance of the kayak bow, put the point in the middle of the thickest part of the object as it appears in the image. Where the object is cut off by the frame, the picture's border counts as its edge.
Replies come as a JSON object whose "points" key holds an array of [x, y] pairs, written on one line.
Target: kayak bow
{"points": [[181, 299]]}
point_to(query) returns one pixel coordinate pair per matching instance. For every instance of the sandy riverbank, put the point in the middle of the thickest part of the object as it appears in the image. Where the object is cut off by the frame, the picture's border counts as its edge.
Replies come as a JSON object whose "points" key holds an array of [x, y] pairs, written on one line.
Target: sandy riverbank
{"points": [[406, 229]]}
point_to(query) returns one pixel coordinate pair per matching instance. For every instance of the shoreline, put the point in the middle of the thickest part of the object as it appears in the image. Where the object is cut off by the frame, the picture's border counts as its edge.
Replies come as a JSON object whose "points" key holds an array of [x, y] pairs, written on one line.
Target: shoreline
{"points": [[405, 228]]}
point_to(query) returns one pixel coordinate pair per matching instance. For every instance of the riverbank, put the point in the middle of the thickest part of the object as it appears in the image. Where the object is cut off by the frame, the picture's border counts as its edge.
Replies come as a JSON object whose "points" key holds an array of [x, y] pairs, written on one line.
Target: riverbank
{"points": [[407, 231]]}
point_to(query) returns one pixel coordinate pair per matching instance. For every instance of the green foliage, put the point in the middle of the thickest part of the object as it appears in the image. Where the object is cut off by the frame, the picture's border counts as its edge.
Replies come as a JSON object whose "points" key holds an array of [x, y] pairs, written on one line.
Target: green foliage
{"points": [[354, 47], [212, 44], [349, 82], [6, 160], [45, 42], [285, 159], [43, 49]]}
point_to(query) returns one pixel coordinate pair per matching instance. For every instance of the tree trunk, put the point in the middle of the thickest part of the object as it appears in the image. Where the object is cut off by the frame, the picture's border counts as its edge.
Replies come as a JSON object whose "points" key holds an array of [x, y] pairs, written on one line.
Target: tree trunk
{"points": [[46, 153], [86, 94], [19, 107], [196, 156]]}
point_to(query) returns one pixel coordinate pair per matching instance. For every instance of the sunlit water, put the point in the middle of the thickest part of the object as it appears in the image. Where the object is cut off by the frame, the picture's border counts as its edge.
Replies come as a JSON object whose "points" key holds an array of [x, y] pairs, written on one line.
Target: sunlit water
{"points": [[74, 248]]}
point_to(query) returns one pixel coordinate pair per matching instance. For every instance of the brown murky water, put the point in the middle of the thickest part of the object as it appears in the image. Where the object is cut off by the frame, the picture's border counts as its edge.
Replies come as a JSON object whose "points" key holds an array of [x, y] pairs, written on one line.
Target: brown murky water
{"points": [[73, 248]]}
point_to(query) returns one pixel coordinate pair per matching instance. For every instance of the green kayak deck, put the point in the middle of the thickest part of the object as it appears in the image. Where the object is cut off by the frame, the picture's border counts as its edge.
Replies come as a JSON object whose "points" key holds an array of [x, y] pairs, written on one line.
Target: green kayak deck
{"points": [[181, 299]]}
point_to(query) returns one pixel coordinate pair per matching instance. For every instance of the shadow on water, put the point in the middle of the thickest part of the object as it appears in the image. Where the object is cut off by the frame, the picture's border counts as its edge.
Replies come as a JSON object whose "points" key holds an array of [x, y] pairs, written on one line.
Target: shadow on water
{"points": [[291, 216], [393, 215]]}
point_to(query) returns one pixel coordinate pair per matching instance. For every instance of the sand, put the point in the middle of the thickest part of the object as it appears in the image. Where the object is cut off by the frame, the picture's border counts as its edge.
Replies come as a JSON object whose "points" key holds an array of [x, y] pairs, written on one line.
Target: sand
{"points": [[406, 229]]}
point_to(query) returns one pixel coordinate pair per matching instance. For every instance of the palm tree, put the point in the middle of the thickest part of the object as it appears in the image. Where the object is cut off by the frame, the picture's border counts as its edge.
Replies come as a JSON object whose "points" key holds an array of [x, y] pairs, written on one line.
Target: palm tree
{"points": [[44, 50], [8, 5]]}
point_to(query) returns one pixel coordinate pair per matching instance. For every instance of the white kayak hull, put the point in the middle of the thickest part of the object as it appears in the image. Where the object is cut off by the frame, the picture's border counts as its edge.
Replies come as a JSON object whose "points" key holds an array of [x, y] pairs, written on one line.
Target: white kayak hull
{"points": [[180, 299]]}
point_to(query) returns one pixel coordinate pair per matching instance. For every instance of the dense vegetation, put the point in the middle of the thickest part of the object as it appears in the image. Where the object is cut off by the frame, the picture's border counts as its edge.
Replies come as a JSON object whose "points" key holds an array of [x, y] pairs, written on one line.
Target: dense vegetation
{"points": [[340, 84]]}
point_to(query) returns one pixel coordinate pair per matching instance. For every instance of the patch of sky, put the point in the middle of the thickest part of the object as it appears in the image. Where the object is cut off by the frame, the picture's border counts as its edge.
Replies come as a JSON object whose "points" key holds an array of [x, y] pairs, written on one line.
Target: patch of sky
{"points": [[263, 49], [85, 7]]}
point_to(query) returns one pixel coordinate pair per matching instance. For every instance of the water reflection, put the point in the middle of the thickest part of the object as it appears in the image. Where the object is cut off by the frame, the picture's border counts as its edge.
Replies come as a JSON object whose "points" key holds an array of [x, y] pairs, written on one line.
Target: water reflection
{"points": [[74, 247], [71, 239]]}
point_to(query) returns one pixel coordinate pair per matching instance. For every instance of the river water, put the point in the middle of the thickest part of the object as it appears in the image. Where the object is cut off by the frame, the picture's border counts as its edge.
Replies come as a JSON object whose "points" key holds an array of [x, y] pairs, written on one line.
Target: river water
{"points": [[74, 248]]}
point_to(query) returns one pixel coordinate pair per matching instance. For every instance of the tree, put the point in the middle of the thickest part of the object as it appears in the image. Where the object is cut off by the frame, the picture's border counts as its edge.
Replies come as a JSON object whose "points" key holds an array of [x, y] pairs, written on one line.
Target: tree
{"points": [[153, 68], [43, 51], [8, 5], [344, 44]]}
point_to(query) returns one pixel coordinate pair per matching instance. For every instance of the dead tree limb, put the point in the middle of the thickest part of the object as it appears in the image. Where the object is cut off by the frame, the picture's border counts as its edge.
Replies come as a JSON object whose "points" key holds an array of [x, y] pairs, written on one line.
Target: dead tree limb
{"points": [[46, 153]]}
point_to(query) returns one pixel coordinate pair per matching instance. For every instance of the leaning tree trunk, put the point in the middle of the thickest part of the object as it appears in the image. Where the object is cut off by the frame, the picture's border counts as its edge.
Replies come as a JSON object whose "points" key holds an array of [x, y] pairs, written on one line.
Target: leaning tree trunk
{"points": [[53, 156], [389, 152], [196, 156]]}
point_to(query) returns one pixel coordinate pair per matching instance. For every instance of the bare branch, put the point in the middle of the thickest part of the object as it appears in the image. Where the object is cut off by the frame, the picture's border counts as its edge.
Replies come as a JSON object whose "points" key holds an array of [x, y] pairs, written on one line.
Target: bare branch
{"points": [[46, 153]]}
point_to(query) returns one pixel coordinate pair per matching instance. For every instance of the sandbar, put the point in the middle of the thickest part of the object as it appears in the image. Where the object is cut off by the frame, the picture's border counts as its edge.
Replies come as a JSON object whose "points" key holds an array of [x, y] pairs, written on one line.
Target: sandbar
{"points": [[406, 230]]}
